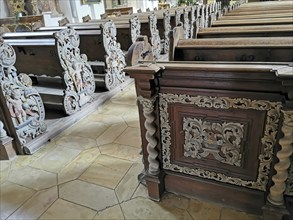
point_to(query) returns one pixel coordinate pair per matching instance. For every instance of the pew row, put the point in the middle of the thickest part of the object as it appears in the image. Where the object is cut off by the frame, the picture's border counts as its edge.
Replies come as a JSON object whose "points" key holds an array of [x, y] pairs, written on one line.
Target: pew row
{"points": [[22, 111], [98, 42], [213, 131], [266, 49], [60, 72]]}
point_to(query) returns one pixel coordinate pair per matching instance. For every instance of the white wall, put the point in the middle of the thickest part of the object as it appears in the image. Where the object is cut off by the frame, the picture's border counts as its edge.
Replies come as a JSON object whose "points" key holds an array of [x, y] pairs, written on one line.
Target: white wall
{"points": [[3, 9]]}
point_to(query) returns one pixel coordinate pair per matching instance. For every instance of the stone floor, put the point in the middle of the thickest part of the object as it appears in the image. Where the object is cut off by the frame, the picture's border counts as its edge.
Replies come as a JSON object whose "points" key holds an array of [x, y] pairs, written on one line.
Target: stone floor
{"points": [[90, 171]]}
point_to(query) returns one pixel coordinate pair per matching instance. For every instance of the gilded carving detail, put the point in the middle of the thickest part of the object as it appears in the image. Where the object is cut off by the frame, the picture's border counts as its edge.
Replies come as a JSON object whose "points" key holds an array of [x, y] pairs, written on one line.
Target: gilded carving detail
{"points": [[22, 100], [115, 58], [268, 140], [222, 140], [78, 75], [148, 112]]}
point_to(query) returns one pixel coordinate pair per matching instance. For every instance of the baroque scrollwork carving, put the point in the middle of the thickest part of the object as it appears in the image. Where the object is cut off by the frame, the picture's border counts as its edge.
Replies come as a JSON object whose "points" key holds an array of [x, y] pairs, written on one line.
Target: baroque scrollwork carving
{"points": [[23, 102], [155, 36], [276, 191], [186, 23], [167, 29], [148, 112], [177, 17], [115, 58], [221, 140], [135, 28], [78, 75], [193, 11], [268, 140]]}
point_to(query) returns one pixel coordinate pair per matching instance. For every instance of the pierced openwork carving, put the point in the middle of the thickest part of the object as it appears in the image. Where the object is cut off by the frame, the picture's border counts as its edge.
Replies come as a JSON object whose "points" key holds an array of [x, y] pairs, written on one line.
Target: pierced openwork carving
{"points": [[221, 140], [289, 182], [135, 28], [23, 102], [148, 112], [186, 23], [115, 58], [193, 11], [155, 36], [276, 191], [16, 6], [78, 75], [167, 29], [268, 140]]}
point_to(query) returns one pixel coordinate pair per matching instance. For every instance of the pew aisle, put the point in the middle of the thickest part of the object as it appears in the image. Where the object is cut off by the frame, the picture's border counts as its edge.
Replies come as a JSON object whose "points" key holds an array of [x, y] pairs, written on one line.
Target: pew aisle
{"points": [[90, 171]]}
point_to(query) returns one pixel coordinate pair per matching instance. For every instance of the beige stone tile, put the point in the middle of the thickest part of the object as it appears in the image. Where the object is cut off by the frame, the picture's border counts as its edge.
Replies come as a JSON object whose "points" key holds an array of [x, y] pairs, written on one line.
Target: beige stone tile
{"points": [[112, 213], [5, 166], [121, 151], [88, 129], [35, 206], [173, 200], [12, 196], [56, 160], [141, 208], [49, 146], [129, 183], [230, 214], [33, 178], [76, 142], [132, 117], [126, 98], [111, 134], [87, 194], [74, 169], [66, 210], [141, 191], [22, 161], [115, 109], [104, 118], [106, 171], [130, 137], [203, 210]]}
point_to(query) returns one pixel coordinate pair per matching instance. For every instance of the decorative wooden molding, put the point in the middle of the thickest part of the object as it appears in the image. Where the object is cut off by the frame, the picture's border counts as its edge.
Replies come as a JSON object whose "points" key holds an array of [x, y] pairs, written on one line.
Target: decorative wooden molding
{"points": [[148, 106], [276, 196], [78, 75], [268, 140], [24, 107], [115, 58]]}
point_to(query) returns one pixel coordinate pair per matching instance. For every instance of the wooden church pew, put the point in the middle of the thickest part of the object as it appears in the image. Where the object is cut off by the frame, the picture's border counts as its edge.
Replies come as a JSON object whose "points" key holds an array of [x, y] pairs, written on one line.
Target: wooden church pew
{"points": [[98, 42], [61, 73]]}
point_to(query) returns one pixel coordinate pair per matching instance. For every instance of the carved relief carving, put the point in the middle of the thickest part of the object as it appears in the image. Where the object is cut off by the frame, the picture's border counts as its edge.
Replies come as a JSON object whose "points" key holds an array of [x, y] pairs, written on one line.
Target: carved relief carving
{"points": [[289, 182], [177, 17], [115, 58], [276, 191], [78, 75], [155, 36], [186, 23], [193, 11], [167, 29], [222, 140], [135, 28], [148, 112], [22, 100], [268, 140]]}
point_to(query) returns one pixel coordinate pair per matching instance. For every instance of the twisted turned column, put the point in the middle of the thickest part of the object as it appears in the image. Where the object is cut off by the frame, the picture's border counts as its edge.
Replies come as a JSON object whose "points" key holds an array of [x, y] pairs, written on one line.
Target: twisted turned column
{"points": [[148, 112], [275, 196]]}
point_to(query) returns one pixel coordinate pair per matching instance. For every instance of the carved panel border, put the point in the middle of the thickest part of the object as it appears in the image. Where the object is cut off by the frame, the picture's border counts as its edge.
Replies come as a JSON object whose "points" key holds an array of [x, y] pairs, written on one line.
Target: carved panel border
{"points": [[268, 140]]}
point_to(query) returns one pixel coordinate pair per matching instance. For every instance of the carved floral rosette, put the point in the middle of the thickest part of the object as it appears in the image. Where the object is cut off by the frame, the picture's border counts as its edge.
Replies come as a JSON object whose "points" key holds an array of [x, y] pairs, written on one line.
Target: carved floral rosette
{"points": [[186, 23], [268, 140], [78, 75], [23, 102], [167, 29], [115, 58], [155, 36], [135, 28]]}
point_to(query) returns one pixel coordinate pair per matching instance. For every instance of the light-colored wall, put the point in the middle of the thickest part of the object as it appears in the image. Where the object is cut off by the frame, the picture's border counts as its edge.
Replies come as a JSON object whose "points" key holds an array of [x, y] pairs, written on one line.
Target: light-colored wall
{"points": [[3, 9]]}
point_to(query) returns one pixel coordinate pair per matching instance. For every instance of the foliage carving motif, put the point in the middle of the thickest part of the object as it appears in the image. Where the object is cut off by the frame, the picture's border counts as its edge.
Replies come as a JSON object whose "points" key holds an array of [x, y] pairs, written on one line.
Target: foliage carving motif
{"points": [[167, 29], [135, 28], [155, 36]]}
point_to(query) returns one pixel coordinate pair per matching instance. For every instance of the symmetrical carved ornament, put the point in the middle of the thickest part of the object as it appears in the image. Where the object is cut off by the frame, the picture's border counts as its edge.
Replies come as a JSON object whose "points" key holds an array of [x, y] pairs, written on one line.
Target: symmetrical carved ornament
{"points": [[155, 36], [268, 140], [115, 58], [276, 191], [22, 100], [186, 23], [135, 28], [78, 75], [167, 29], [16, 6], [148, 112], [222, 140]]}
